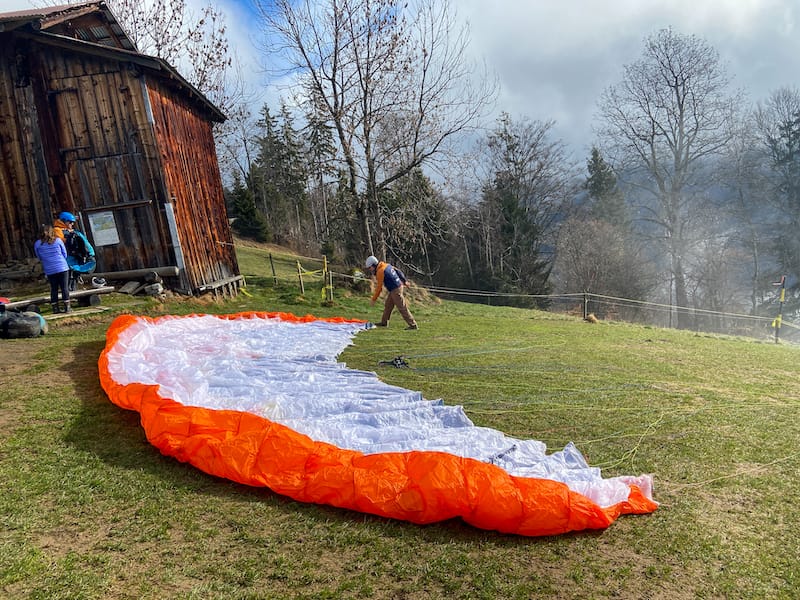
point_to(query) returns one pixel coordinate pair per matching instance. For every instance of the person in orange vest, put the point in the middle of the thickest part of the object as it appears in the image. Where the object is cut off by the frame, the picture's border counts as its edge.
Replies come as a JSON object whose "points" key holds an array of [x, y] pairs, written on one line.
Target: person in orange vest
{"points": [[64, 222], [394, 280]]}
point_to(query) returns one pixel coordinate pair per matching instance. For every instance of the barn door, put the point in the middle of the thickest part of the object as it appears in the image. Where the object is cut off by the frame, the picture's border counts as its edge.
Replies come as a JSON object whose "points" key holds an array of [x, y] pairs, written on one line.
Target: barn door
{"points": [[112, 187], [98, 117]]}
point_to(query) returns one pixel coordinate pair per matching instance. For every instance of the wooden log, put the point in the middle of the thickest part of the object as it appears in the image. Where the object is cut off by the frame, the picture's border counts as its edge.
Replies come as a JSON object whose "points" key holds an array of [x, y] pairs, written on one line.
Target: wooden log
{"points": [[90, 300], [139, 273], [19, 274], [32, 303], [218, 284]]}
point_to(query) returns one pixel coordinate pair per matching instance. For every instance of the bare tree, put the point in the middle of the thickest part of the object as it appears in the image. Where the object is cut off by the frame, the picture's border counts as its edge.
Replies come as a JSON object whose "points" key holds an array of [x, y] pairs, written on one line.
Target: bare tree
{"points": [[597, 251], [778, 126], [780, 108], [392, 78], [746, 179], [601, 258], [671, 114], [529, 187], [237, 142], [534, 171]]}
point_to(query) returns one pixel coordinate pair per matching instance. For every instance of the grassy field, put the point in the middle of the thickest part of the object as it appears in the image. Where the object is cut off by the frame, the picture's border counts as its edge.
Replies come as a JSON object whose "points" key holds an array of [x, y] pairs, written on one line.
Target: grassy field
{"points": [[90, 510]]}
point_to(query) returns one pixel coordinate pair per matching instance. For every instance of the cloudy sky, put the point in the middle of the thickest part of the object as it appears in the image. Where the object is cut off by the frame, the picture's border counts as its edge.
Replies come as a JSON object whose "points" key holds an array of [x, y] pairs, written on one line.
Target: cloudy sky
{"points": [[553, 58]]}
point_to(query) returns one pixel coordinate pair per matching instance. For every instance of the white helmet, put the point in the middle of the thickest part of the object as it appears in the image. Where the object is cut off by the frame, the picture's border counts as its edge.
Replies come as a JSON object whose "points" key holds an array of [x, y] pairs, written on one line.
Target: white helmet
{"points": [[371, 262]]}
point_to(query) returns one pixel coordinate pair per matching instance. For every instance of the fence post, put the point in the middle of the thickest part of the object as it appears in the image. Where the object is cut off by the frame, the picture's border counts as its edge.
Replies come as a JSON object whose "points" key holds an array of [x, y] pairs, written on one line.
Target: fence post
{"points": [[300, 278], [272, 264], [326, 295], [585, 306], [777, 322]]}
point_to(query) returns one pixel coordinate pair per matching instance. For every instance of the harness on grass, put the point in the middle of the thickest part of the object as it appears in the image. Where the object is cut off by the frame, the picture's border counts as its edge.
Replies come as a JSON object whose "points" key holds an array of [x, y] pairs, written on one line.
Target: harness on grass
{"points": [[398, 362]]}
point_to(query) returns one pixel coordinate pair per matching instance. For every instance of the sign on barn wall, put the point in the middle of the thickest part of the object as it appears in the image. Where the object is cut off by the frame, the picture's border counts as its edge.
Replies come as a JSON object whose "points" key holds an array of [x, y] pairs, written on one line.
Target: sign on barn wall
{"points": [[104, 228]]}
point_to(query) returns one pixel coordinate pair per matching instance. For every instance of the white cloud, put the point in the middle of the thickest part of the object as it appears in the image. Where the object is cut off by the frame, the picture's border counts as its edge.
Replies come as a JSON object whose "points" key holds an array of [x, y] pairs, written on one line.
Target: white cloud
{"points": [[554, 59]]}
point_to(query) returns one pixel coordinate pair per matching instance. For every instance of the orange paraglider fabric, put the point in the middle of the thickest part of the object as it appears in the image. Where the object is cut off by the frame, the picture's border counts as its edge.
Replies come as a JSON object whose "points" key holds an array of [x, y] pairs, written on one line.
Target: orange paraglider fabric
{"points": [[417, 486]]}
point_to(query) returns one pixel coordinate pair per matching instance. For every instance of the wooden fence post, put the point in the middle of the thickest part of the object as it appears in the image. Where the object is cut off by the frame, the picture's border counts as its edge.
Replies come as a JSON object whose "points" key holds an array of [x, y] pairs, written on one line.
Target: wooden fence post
{"points": [[272, 264], [585, 306], [300, 278], [325, 295]]}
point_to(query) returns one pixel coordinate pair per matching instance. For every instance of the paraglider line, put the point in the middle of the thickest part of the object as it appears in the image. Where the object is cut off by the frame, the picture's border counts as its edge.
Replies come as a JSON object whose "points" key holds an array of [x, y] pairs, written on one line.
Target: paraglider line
{"points": [[749, 471]]}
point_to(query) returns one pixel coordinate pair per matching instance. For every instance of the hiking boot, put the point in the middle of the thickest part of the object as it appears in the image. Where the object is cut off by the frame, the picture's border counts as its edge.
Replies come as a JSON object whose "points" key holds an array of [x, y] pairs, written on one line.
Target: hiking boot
{"points": [[67, 308], [413, 327], [54, 308]]}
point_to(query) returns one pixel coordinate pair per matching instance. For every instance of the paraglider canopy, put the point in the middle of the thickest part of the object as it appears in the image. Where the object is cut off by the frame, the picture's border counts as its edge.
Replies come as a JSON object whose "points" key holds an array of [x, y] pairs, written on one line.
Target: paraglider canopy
{"points": [[262, 400]]}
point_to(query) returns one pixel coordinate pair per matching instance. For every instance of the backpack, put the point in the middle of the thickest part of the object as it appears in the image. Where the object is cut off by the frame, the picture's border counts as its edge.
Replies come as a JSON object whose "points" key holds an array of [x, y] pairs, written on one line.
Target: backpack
{"points": [[78, 246]]}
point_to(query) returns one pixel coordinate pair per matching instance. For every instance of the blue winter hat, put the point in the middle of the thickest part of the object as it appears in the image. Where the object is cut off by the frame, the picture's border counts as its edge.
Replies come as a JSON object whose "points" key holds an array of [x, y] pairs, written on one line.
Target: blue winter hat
{"points": [[67, 217]]}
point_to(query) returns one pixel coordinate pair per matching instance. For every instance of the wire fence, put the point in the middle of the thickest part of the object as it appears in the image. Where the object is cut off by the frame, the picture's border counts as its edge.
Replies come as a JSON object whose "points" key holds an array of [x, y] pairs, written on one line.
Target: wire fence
{"points": [[590, 306]]}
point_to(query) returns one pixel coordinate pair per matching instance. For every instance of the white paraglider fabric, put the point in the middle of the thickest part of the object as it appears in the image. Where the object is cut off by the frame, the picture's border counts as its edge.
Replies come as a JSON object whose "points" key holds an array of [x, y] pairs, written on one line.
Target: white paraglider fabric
{"points": [[288, 372]]}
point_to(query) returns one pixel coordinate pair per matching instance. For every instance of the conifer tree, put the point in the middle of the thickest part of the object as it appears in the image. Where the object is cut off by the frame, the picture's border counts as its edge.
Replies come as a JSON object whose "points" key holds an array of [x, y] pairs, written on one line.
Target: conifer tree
{"points": [[293, 178], [279, 180], [530, 186], [320, 153], [249, 222], [608, 202]]}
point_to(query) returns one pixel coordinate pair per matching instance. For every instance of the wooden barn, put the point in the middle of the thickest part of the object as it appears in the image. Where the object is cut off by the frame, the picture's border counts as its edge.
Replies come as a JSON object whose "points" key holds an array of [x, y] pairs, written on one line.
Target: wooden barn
{"points": [[91, 126]]}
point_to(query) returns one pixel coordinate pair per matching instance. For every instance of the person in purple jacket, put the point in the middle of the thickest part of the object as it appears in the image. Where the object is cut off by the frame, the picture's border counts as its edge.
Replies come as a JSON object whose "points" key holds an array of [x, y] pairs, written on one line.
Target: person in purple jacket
{"points": [[53, 254]]}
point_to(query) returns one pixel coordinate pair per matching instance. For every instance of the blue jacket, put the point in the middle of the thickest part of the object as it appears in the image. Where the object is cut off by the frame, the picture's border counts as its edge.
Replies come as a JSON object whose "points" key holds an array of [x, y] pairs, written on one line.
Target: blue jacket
{"points": [[387, 275], [53, 256]]}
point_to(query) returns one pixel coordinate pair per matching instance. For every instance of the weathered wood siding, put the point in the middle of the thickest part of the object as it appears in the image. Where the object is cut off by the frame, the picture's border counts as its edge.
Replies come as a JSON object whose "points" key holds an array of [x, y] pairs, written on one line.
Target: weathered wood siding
{"points": [[24, 185], [107, 155], [93, 131], [189, 161]]}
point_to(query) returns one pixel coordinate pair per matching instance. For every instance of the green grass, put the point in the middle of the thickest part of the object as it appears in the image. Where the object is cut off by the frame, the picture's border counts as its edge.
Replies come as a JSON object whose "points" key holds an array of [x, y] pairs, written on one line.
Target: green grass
{"points": [[89, 509]]}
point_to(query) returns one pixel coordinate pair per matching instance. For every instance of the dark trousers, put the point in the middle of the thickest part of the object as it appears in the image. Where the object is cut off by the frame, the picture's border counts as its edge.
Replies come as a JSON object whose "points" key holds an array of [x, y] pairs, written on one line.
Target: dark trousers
{"points": [[59, 281]]}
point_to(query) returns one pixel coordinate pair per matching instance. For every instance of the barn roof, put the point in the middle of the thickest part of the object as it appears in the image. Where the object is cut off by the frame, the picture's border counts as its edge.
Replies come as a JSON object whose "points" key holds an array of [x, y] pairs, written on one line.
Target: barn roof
{"points": [[47, 11], [53, 16], [60, 27]]}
